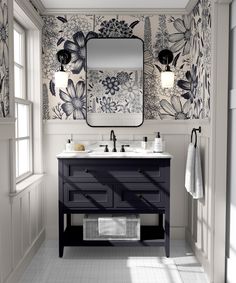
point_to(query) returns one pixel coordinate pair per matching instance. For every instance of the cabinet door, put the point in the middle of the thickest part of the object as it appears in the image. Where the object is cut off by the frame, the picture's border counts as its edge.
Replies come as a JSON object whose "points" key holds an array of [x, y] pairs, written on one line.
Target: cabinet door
{"points": [[141, 196], [87, 195]]}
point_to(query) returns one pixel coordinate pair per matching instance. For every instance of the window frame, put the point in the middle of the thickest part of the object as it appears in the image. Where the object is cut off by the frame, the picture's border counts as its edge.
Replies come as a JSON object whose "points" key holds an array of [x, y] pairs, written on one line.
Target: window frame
{"points": [[23, 101], [21, 30]]}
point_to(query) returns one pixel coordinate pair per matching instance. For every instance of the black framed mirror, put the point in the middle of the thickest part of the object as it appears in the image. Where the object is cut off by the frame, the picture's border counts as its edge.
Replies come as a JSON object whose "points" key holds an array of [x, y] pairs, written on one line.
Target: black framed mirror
{"points": [[114, 82]]}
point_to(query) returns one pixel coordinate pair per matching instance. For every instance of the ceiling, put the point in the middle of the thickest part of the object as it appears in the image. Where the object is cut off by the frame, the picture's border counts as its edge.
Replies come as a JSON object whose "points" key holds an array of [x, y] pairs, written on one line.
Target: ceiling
{"points": [[119, 4]]}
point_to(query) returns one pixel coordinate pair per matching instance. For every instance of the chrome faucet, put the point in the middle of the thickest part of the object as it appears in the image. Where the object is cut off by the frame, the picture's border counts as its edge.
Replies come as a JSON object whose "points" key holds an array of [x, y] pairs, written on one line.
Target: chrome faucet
{"points": [[113, 138]]}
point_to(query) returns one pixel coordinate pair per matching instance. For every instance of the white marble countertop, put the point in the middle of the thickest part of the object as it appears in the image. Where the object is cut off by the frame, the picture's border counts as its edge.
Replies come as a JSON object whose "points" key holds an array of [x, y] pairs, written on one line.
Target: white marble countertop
{"points": [[128, 154]]}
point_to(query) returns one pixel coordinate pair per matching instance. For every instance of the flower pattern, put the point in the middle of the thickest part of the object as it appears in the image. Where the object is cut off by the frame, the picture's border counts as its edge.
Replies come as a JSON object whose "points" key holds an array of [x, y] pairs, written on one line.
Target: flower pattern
{"points": [[51, 65], [107, 105], [174, 109], [190, 85], [124, 86], [181, 39], [50, 32], [188, 36], [131, 89], [3, 33], [115, 28], [74, 100], [123, 77], [74, 24], [111, 85], [77, 50], [4, 54]]}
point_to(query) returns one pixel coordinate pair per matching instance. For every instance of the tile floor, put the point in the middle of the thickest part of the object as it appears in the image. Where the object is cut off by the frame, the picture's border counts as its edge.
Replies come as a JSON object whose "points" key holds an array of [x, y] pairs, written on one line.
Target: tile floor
{"points": [[114, 265]]}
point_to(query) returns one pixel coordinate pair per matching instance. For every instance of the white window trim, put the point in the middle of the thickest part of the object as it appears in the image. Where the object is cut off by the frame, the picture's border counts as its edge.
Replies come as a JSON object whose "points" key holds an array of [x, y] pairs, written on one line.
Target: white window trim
{"points": [[20, 29], [30, 137], [24, 100], [33, 23]]}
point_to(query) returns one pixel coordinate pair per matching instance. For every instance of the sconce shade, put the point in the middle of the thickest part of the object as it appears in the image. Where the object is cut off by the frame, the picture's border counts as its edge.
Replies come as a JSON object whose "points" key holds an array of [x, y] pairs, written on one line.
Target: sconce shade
{"points": [[61, 79], [167, 79]]}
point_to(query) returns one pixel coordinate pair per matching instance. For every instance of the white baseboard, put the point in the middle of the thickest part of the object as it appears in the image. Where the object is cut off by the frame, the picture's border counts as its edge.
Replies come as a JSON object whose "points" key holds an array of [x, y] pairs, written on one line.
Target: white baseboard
{"points": [[231, 271], [24, 262]]}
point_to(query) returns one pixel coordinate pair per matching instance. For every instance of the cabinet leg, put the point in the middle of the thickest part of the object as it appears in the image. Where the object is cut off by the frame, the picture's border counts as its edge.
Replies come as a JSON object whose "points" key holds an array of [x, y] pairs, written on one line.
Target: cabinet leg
{"points": [[167, 232], [61, 230], [61, 250]]}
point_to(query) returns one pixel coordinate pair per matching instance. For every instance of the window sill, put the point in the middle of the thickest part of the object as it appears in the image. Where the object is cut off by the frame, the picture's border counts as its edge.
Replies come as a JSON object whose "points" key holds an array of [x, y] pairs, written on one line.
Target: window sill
{"points": [[26, 183]]}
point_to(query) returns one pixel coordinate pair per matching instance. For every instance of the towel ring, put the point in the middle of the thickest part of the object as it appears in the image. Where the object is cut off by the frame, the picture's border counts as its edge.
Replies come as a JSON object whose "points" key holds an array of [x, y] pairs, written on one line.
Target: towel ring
{"points": [[194, 130]]}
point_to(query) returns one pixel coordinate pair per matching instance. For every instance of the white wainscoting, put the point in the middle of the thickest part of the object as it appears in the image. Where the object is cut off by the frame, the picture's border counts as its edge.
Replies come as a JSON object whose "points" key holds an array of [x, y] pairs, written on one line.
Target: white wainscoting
{"points": [[231, 251], [176, 135], [199, 230], [21, 218]]}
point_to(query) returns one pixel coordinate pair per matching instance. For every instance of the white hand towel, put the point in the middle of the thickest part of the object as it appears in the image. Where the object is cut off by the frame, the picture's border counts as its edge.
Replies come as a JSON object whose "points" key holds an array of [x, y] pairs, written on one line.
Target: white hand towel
{"points": [[190, 169], [198, 184]]}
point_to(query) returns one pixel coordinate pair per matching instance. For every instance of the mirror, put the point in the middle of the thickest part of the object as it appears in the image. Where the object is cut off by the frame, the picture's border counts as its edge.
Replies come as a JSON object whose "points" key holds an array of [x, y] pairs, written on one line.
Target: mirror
{"points": [[114, 82]]}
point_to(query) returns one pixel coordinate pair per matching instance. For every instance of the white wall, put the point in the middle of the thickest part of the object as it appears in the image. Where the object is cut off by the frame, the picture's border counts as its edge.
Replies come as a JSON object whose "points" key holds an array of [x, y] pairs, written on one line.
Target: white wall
{"points": [[231, 261]]}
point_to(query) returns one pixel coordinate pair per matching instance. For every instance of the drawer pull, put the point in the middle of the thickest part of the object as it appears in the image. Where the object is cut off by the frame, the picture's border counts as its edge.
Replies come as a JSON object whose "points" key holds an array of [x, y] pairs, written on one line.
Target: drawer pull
{"points": [[140, 196], [86, 170], [140, 170]]}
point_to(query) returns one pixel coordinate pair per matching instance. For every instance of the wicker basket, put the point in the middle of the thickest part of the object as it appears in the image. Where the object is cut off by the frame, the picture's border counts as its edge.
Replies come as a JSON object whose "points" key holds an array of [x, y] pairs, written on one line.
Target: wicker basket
{"points": [[103, 227]]}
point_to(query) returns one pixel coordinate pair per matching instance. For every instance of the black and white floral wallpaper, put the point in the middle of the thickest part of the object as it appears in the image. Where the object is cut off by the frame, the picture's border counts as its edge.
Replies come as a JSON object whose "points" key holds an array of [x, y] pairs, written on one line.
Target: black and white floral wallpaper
{"points": [[4, 63], [115, 91], [188, 36]]}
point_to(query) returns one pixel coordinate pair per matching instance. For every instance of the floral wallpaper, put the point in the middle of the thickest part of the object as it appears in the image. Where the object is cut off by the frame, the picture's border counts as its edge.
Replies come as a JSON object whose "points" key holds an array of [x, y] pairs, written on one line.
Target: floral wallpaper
{"points": [[188, 36], [114, 91], [4, 67]]}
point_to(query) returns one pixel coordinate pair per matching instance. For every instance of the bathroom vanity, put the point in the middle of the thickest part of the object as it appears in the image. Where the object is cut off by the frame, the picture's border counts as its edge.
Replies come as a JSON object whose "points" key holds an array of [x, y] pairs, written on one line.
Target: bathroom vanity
{"points": [[114, 183]]}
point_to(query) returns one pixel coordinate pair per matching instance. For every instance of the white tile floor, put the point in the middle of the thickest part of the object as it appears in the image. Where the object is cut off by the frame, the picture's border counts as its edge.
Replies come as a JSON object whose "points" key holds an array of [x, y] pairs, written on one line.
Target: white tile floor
{"points": [[114, 265]]}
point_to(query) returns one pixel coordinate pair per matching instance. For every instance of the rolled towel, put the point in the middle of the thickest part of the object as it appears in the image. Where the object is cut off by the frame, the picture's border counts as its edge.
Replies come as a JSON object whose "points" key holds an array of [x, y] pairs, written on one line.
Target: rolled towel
{"points": [[190, 169], [198, 186]]}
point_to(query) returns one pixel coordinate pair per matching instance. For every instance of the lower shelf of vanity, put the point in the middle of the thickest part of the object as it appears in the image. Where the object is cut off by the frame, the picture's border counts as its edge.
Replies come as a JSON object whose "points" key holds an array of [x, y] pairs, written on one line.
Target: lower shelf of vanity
{"points": [[150, 236]]}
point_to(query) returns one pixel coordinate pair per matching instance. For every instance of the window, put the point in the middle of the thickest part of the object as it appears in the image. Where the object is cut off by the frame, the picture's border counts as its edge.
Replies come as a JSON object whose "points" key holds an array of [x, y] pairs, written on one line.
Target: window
{"points": [[23, 107]]}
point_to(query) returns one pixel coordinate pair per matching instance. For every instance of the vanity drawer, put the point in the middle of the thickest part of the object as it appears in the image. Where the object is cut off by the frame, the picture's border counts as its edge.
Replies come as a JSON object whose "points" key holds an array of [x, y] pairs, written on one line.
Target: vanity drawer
{"points": [[122, 170], [140, 195], [88, 195]]}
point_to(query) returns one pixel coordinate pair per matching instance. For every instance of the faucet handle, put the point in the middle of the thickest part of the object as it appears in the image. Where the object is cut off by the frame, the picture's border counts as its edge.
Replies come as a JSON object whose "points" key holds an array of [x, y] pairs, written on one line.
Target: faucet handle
{"points": [[123, 147], [106, 147]]}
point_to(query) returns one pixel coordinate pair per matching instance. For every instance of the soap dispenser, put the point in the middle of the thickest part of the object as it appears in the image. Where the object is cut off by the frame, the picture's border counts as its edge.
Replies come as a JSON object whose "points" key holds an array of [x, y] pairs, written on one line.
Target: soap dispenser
{"points": [[68, 145], [158, 143]]}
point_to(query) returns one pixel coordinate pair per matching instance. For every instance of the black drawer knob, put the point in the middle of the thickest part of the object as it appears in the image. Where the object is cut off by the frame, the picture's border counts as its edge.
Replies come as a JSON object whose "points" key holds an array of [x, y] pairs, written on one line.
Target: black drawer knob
{"points": [[86, 170], [140, 196], [140, 170]]}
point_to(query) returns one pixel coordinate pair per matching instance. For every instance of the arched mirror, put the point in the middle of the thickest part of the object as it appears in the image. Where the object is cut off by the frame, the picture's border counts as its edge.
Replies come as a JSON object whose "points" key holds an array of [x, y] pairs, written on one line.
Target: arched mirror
{"points": [[114, 82]]}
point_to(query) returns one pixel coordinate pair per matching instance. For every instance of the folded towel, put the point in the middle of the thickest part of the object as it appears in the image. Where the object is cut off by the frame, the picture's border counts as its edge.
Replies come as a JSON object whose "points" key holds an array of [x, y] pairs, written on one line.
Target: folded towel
{"points": [[112, 226], [193, 172], [190, 169]]}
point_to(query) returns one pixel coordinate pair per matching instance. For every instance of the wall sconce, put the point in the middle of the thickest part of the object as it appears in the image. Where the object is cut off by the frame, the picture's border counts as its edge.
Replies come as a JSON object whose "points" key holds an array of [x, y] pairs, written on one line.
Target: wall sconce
{"points": [[167, 76], [61, 76]]}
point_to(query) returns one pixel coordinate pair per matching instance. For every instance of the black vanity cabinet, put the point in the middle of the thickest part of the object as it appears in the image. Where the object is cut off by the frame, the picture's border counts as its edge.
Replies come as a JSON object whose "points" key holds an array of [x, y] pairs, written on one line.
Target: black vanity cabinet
{"points": [[114, 186]]}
